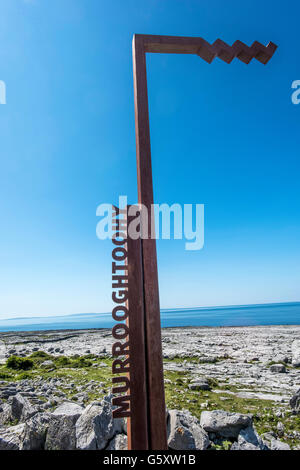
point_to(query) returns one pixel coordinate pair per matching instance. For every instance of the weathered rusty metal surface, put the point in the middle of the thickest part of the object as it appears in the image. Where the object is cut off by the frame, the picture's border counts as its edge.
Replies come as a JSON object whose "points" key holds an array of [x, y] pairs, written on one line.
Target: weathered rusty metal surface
{"points": [[137, 424], [120, 331], [147, 275], [155, 379], [129, 385], [207, 51]]}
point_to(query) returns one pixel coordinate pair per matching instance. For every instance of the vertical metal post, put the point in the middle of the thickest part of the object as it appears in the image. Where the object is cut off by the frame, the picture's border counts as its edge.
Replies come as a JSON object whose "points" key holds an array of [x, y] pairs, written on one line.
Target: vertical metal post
{"points": [[148, 399], [155, 379], [137, 423]]}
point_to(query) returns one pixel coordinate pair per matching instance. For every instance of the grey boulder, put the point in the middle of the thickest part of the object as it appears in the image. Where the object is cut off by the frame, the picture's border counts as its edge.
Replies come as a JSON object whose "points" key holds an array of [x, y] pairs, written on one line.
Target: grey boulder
{"points": [[96, 426], [248, 439], [35, 431], [295, 402], [296, 353], [119, 442], [5, 413], [47, 364], [10, 438], [199, 385], [207, 360], [278, 368], [68, 408], [224, 424], [270, 439], [278, 445], [21, 408], [61, 433], [185, 432]]}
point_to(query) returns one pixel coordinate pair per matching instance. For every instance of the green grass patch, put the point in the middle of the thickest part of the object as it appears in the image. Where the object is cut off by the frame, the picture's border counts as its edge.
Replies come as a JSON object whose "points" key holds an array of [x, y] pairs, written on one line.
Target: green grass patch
{"points": [[225, 445], [179, 396], [80, 370], [40, 354], [5, 376], [19, 363]]}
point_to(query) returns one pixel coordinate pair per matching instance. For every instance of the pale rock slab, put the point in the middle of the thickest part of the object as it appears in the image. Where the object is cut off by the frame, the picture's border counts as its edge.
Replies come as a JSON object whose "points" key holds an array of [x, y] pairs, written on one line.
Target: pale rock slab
{"points": [[10, 438], [61, 432], [184, 432], [21, 408], [96, 426], [248, 439], [68, 408], [278, 445], [34, 433], [295, 402], [119, 442], [296, 353], [223, 423], [5, 413]]}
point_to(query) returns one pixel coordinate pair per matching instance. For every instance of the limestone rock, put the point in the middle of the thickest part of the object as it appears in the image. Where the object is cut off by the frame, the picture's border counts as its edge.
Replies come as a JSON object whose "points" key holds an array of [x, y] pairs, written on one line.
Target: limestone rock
{"points": [[223, 423], [34, 433], [278, 368], [184, 432], [248, 439], [21, 408], [119, 442], [68, 408], [61, 433], [295, 402], [96, 426], [207, 360], [278, 445], [5, 413], [48, 364], [280, 429], [296, 353], [10, 437], [199, 385]]}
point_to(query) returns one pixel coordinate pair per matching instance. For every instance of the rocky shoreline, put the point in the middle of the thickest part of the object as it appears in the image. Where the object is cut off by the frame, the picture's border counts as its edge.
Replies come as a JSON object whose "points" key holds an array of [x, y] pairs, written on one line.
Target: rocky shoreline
{"points": [[226, 388]]}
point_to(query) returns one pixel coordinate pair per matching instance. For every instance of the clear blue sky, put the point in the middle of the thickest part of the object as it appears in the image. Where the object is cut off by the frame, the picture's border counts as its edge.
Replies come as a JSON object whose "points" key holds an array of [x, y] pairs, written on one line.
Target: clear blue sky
{"points": [[223, 135]]}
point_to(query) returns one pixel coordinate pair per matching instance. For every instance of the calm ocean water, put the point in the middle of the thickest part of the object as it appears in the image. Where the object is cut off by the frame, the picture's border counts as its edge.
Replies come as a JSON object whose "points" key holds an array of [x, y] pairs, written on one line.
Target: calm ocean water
{"points": [[238, 315]]}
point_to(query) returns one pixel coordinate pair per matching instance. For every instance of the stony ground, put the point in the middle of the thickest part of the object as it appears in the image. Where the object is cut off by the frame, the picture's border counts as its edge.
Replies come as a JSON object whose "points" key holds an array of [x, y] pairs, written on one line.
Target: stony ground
{"points": [[252, 370]]}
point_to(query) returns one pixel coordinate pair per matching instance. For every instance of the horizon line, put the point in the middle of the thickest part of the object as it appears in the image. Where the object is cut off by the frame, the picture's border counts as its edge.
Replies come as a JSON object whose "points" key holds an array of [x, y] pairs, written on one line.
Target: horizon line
{"points": [[162, 309]]}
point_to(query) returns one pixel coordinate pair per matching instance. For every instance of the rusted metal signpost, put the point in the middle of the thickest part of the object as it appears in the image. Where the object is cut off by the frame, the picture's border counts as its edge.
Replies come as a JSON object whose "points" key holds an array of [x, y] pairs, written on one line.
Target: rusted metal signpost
{"points": [[137, 288]]}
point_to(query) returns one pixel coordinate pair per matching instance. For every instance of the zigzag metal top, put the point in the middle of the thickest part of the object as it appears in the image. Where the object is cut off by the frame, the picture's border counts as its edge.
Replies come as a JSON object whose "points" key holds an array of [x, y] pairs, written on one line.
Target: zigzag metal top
{"points": [[202, 48], [240, 50]]}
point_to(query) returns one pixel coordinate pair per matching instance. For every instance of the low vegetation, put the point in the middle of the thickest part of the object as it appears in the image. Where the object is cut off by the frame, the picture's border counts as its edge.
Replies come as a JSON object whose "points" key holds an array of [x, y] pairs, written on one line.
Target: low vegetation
{"points": [[81, 370], [19, 363]]}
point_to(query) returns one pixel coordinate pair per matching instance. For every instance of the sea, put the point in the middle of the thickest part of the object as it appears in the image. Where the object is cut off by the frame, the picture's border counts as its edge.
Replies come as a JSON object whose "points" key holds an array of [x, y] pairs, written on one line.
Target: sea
{"points": [[235, 315]]}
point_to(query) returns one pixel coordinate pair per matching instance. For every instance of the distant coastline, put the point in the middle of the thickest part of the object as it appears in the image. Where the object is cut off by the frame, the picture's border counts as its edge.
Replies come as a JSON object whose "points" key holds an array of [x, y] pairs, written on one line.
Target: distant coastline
{"points": [[286, 313]]}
